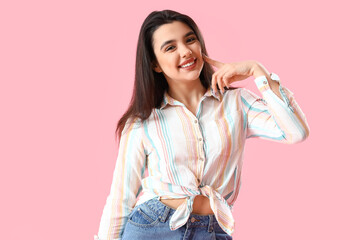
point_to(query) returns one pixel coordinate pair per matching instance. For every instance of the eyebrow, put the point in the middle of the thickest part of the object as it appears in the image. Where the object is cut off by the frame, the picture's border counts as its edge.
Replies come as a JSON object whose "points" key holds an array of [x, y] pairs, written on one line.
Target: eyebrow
{"points": [[170, 41]]}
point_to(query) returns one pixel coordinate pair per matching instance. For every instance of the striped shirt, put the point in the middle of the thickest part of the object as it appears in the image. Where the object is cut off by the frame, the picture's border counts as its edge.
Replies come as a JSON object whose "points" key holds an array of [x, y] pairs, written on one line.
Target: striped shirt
{"points": [[188, 155]]}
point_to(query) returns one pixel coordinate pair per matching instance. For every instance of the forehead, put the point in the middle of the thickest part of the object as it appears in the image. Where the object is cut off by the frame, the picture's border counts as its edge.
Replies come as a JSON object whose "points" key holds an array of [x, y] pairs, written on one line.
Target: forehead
{"points": [[170, 31]]}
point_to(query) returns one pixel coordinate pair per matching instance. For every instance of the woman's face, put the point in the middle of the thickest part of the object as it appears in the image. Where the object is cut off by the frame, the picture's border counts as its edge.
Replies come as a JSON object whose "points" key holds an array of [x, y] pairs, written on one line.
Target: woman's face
{"points": [[178, 52]]}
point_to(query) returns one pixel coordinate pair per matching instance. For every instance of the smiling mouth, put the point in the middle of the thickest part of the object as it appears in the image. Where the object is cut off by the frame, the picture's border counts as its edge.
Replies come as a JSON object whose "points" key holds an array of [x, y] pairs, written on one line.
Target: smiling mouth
{"points": [[188, 64]]}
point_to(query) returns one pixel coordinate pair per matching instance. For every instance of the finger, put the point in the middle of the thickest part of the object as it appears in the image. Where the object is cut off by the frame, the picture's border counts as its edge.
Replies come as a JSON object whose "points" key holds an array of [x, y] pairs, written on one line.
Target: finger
{"points": [[226, 81], [224, 73], [212, 61], [221, 84], [219, 79], [227, 77], [214, 82]]}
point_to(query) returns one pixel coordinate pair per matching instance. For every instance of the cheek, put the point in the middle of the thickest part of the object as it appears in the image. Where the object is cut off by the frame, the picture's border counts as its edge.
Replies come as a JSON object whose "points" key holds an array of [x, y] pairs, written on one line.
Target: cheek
{"points": [[169, 63], [198, 47], [163, 60], [201, 63]]}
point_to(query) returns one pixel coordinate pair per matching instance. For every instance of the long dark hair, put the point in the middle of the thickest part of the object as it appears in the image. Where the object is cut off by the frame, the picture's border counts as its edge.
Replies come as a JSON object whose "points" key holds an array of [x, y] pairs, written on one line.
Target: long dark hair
{"points": [[150, 86]]}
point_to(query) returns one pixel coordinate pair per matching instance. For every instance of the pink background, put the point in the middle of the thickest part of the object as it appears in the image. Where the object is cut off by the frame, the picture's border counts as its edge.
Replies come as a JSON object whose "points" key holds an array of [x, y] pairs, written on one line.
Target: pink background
{"points": [[67, 70]]}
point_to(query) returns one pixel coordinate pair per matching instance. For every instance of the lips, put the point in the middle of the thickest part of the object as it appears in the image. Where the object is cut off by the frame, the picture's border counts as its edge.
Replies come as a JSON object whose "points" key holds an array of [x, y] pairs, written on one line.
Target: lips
{"points": [[187, 61]]}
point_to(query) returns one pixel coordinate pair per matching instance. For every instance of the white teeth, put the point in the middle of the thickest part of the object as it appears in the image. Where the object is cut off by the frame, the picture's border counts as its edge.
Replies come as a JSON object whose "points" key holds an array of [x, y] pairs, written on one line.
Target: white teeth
{"points": [[188, 64]]}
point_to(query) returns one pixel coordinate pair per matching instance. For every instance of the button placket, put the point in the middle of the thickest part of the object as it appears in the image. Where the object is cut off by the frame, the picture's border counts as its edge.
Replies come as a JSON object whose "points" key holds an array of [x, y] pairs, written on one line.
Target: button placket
{"points": [[202, 161], [200, 150]]}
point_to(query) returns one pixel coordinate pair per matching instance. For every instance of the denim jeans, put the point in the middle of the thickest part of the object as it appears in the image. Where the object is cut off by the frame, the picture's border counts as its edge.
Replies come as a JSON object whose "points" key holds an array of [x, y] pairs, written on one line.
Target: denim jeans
{"points": [[150, 220]]}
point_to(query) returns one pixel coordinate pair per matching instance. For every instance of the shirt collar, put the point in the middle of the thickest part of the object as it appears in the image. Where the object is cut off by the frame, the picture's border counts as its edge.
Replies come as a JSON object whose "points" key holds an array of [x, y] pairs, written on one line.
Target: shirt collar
{"points": [[171, 101]]}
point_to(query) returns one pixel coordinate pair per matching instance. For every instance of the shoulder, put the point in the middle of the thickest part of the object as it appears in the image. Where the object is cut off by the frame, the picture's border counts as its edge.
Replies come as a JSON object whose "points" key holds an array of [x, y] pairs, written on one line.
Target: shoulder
{"points": [[133, 125], [243, 95]]}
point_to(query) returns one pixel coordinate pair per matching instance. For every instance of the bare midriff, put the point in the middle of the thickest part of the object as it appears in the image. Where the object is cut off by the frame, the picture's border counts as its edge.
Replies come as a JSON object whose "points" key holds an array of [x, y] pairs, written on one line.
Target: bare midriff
{"points": [[201, 205]]}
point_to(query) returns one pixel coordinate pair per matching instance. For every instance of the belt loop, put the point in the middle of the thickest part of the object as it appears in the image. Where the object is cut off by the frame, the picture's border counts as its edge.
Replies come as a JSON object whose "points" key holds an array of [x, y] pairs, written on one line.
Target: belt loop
{"points": [[165, 214], [211, 223]]}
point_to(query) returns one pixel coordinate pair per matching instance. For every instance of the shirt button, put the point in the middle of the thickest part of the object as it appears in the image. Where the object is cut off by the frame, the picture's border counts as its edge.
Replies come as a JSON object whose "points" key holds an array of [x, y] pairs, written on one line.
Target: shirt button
{"points": [[196, 121], [264, 82], [200, 139]]}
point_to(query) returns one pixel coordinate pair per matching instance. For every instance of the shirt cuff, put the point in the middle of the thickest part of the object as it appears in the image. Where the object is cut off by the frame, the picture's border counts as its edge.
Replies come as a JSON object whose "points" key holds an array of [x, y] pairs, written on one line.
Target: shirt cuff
{"points": [[263, 85]]}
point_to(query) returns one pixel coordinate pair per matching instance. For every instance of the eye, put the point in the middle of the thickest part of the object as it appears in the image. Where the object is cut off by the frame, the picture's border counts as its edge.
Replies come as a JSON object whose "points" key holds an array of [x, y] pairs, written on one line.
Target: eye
{"points": [[191, 39], [169, 48]]}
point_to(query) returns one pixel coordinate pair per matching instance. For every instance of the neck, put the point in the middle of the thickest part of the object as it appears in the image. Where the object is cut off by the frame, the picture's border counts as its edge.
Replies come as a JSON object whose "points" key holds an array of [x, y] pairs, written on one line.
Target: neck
{"points": [[188, 93]]}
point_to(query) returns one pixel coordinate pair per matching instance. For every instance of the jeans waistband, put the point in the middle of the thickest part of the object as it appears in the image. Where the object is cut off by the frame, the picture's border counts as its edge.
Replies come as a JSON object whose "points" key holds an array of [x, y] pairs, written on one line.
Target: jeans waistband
{"points": [[166, 212]]}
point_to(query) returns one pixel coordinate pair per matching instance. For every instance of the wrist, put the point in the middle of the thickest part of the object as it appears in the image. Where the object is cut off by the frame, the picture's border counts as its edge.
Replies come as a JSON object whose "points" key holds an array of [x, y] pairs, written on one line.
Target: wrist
{"points": [[258, 71]]}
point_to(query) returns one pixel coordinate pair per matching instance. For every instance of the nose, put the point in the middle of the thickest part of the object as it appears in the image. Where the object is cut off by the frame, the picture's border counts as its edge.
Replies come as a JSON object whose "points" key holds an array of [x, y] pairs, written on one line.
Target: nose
{"points": [[186, 52]]}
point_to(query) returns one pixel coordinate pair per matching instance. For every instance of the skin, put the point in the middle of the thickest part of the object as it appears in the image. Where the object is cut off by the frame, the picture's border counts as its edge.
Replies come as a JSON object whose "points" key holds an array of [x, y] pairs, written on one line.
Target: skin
{"points": [[185, 85], [228, 73]]}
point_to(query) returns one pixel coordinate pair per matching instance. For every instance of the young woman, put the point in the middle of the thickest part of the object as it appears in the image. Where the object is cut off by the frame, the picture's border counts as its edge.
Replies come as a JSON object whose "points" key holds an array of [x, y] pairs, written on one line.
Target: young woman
{"points": [[187, 127]]}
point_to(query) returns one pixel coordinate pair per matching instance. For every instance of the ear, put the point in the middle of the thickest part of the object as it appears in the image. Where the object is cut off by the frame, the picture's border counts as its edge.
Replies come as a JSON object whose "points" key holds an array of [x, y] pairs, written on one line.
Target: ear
{"points": [[156, 68]]}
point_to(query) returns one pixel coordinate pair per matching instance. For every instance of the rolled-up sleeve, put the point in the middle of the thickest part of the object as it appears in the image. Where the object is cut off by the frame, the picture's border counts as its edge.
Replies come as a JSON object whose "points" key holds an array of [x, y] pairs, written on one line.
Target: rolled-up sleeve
{"points": [[273, 118], [126, 183]]}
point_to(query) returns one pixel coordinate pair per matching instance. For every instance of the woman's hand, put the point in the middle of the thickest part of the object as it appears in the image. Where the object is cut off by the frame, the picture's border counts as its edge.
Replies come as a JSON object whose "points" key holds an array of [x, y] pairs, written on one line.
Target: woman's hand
{"points": [[228, 73]]}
